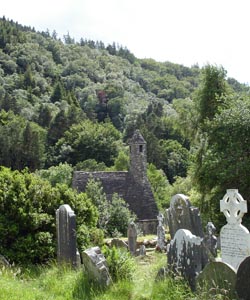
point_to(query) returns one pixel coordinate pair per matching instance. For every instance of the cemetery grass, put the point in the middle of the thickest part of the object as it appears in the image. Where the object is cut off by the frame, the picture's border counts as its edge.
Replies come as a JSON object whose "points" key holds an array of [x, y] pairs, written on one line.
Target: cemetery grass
{"points": [[52, 282]]}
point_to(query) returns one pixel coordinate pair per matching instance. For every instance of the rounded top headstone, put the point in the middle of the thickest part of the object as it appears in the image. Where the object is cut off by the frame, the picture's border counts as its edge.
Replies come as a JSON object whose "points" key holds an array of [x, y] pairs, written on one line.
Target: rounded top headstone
{"points": [[243, 279], [217, 278]]}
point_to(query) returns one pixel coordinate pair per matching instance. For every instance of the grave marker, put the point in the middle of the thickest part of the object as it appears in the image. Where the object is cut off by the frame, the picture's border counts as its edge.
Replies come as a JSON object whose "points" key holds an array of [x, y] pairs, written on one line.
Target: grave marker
{"points": [[66, 235], [132, 238], [234, 237], [160, 233], [182, 215], [186, 255]]}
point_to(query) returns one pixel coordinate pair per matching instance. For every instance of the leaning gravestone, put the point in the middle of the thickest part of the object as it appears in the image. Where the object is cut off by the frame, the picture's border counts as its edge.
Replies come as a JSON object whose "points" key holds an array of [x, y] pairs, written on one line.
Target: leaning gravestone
{"points": [[96, 267], [234, 237], [217, 278], [66, 235], [182, 215], [186, 255], [132, 238]]}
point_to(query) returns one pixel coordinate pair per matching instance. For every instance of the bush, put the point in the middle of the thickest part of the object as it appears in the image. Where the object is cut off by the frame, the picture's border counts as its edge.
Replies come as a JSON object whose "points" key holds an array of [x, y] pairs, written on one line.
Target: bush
{"points": [[121, 265], [27, 215]]}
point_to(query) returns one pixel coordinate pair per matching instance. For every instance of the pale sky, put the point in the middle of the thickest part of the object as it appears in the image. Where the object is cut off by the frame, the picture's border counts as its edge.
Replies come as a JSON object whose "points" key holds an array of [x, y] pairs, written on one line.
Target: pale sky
{"points": [[180, 31]]}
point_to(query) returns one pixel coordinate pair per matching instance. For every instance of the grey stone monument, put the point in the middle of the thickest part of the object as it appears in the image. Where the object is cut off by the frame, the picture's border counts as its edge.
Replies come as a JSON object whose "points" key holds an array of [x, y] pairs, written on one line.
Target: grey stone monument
{"points": [[243, 279], [217, 278], [234, 237], [160, 233], [66, 235], [132, 238], [96, 267], [186, 255], [182, 215], [210, 240]]}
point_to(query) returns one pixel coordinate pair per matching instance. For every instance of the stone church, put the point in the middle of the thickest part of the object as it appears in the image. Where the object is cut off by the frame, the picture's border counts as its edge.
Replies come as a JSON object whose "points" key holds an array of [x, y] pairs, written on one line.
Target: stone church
{"points": [[133, 185]]}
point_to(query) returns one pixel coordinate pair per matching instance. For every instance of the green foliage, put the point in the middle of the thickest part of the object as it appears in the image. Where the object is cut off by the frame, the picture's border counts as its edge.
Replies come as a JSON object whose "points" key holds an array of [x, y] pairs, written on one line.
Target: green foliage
{"points": [[160, 186], [121, 162], [210, 96], [114, 214], [119, 216], [90, 165], [27, 208], [22, 142], [88, 140], [120, 263], [57, 174]]}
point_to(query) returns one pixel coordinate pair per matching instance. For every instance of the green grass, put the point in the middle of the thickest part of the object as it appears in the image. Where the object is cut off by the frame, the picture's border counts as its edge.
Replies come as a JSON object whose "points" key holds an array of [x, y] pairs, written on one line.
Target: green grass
{"points": [[51, 282]]}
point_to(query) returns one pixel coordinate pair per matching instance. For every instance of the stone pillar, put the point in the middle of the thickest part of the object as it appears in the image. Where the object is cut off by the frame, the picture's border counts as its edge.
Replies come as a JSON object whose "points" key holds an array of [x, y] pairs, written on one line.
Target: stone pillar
{"points": [[132, 238], [66, 235]]}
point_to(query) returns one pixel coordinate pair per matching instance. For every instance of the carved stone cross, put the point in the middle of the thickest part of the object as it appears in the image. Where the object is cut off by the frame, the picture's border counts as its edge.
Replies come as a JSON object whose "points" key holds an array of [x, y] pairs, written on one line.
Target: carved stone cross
{"points": [[233, 206]]}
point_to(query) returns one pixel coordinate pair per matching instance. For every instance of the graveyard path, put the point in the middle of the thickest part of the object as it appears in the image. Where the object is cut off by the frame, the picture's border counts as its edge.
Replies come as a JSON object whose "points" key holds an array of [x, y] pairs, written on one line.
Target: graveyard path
{"points": [[145, 274]]}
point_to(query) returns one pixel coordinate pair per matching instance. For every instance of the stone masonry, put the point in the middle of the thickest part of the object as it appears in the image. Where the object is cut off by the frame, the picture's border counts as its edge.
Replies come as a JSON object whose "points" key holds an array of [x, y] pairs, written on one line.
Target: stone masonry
{"points": [[133, 186]]}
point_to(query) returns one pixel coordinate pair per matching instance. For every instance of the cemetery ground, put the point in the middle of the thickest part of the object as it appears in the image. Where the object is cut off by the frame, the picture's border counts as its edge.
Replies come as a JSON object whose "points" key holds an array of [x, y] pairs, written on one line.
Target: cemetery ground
{"points": [[62, 283]]}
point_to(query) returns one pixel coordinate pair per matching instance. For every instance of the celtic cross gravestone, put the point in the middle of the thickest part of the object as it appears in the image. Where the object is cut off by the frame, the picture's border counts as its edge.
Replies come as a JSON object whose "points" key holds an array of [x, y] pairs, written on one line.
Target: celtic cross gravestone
{"points": [[235, 238]]}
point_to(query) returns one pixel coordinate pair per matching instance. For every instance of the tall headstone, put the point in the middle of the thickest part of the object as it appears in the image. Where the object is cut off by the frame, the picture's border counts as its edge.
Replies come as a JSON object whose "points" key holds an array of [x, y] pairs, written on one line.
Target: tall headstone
{"points": [[132, 238], [186, 255], [66, 235], [160, 233], [182, 215], [234, 237]]}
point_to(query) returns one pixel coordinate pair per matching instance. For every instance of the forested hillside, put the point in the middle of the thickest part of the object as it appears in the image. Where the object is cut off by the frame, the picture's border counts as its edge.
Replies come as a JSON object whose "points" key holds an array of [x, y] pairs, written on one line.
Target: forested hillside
{"points": [[79, 102]]}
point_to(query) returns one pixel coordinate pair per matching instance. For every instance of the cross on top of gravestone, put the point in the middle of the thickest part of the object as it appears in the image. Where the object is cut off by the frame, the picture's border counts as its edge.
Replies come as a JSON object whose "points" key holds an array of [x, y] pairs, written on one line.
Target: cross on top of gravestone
{"points": [[233, 206]]}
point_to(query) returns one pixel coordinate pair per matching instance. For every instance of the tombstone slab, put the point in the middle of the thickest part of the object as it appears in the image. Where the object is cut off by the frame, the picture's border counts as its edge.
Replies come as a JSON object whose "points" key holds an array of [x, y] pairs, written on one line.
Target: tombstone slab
{"points": [[132, 238], [66, 235], [234, 237], [186, 255], [96, 266], [217, 278], [243, 280], [160, 233], [182, 215]]}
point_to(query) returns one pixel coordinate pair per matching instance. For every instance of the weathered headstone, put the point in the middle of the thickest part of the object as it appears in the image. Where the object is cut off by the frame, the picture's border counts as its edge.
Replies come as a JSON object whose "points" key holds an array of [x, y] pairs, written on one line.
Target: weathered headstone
{"points": [[132, 238], [243, 279], [181, 215], [118, 243], [96, 266], [234, 237], [66, 235], [210, 240], [142, 250], [160, 233], [217, 278], [186, 255]]}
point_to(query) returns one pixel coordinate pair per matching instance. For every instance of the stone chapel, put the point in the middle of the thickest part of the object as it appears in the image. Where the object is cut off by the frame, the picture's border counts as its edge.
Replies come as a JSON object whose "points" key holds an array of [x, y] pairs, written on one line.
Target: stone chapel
{"points": [[133, 185]]}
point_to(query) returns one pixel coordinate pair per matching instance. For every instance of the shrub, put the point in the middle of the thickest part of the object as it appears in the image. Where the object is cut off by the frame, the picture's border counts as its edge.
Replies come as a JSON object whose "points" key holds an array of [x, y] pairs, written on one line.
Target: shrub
{"points": [[27, 215], [121, 265]]}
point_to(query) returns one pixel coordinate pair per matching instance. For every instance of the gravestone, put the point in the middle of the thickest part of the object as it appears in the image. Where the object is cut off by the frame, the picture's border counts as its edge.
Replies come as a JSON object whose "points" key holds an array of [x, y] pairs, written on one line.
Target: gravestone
{"points": [[243, 279], [118, 243], [210, 240], [234, 237], [96, 267], [160, 233], [182, 215], [132, 238], [66, 235], [186, 255], [217, 278]]}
